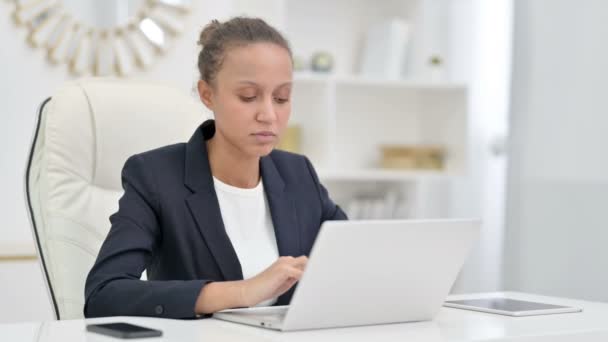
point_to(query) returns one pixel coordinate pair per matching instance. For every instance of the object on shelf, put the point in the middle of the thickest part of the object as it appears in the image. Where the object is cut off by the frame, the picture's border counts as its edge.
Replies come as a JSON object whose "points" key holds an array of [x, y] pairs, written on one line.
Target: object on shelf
{"points": [[375, 206], [385, 49], [436, 68], [290, 141], [298, 63], [322, 62], [413, 157]]}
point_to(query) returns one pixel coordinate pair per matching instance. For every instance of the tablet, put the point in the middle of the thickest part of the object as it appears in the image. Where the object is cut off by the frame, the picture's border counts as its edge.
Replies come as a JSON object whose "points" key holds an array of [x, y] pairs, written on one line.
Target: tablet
{"points": [[509, 307]]}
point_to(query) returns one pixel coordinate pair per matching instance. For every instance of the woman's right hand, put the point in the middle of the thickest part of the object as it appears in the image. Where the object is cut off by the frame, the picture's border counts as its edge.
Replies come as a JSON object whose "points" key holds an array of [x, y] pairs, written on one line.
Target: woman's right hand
{"points": [[274, 281]]}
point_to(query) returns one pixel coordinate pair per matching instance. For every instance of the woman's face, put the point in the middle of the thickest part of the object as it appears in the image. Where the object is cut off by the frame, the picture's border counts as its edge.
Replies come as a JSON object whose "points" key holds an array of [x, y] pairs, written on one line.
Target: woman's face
{"points": [[251, 97]]}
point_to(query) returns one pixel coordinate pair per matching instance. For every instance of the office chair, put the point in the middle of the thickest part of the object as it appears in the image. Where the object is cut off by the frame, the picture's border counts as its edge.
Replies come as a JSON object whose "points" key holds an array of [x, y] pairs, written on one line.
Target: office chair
{"points": [[85, 133]]}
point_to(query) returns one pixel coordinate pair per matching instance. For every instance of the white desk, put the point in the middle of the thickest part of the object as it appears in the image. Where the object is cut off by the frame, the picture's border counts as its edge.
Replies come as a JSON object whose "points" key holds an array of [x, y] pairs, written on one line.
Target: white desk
{"points": [[449, 325]]}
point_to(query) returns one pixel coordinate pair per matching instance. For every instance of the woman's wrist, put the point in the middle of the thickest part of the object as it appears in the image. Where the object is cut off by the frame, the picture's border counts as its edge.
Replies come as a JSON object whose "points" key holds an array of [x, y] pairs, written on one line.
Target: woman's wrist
{"points": [[242, 290], [217, 296]]}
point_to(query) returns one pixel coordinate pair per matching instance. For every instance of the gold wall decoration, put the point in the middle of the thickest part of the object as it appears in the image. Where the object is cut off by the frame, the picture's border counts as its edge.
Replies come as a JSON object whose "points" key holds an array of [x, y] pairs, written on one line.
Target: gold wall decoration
{"points": [[102, 45]]}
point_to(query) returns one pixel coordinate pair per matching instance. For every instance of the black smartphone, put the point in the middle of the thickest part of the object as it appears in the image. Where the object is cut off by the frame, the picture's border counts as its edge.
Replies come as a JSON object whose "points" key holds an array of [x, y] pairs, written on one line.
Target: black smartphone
{"points": [[123, 330]]}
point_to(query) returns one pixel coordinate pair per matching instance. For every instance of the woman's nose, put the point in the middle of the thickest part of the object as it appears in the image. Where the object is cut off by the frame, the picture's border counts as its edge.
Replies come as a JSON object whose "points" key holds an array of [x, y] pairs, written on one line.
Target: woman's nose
{"points": [[266, 112]]}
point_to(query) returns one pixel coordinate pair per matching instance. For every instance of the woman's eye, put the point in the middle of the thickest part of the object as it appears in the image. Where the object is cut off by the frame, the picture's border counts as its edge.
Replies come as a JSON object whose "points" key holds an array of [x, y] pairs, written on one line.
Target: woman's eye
{"points": [[281, 100], [247, 98]]}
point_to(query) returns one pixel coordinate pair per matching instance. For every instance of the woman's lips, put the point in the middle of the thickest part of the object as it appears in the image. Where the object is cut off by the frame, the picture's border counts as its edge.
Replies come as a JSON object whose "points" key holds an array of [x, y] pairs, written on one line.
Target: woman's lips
{"points": [[265, 137]]}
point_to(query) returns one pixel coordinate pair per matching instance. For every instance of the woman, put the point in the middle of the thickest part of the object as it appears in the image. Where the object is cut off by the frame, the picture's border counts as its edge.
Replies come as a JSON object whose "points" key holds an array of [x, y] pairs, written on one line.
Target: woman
{"points": [[221, 221]]}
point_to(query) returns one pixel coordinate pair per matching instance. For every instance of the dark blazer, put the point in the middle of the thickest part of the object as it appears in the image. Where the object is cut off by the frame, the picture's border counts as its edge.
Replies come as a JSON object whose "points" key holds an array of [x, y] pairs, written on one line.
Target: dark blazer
{"points": [[169, 223]]}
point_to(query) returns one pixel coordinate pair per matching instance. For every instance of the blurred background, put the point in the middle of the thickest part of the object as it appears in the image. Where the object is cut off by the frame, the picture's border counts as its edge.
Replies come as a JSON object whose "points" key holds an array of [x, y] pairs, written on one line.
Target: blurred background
{"points": [[408, 109]]}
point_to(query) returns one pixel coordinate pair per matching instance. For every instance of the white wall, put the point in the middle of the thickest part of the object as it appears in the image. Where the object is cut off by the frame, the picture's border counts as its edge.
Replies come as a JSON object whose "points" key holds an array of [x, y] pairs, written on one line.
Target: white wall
{"points": [[557, 227], [22, 292], [27, 79], [481, 55]]}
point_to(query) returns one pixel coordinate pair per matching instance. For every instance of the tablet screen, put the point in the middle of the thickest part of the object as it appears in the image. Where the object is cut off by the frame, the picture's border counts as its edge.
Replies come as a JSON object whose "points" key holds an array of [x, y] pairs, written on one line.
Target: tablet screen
{"points": [[506, 304]]}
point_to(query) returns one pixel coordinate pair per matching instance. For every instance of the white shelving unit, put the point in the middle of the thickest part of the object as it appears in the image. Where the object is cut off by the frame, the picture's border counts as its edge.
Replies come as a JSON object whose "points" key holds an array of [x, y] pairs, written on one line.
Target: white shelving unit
{"points": [[345, 118], [344, 121], [379, 175]]}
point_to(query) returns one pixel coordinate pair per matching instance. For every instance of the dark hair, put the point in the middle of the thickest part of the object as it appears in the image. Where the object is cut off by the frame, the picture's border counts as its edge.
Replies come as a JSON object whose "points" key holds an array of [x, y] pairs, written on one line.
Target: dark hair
{"points": [[216, 38]]}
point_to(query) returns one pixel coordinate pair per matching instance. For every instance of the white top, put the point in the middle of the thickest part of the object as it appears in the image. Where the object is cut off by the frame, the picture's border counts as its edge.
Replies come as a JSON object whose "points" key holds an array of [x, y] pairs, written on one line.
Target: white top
{"points": [[247, 220]]}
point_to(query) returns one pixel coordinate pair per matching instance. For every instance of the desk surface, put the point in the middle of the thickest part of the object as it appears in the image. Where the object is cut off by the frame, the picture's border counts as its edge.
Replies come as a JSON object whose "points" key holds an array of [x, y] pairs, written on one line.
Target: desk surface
{"points": [[448, 325]]}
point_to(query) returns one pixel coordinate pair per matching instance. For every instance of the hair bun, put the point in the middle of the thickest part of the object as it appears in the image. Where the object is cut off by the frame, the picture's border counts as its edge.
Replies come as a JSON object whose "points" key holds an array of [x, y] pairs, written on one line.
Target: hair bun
{"points": [[208, 31]]}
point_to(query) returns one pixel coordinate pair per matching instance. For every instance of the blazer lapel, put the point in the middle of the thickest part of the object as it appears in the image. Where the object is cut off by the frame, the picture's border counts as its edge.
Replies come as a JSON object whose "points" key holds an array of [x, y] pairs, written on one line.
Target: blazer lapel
{"points": [[282, 209], [284, 217], [204, 206]]}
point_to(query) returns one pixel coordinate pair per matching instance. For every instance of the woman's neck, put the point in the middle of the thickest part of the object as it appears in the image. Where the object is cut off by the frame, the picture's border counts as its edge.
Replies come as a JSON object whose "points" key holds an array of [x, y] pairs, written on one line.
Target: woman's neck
{"points": [[230, 166]]}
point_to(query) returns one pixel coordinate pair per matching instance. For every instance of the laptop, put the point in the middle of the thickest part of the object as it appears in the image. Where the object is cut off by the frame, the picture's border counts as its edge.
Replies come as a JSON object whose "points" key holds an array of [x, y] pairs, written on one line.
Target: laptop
{"points": [[371, 272]]}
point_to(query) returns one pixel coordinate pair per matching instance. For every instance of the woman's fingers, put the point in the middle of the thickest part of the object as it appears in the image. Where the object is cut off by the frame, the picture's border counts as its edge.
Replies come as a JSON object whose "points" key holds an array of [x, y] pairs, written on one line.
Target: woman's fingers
{"points": [[286, 286], [277, 279], [294, 272], [289, 283], [288, 276], [300, 262]]}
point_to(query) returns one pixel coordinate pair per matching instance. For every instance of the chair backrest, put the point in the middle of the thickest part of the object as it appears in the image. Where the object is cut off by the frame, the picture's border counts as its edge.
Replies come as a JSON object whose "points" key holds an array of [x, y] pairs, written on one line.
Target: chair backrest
{"points": [[85, 133]]}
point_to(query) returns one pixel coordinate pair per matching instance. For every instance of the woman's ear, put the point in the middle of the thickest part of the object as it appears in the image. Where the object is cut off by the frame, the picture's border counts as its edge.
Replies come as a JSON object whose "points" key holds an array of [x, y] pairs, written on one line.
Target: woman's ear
{"points": [[205, 94]]}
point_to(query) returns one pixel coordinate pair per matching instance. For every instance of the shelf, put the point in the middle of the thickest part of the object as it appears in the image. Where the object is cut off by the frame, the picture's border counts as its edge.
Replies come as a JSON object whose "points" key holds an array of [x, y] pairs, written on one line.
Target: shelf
{"points": [[17, 251], [381, 175], [322, 79]]}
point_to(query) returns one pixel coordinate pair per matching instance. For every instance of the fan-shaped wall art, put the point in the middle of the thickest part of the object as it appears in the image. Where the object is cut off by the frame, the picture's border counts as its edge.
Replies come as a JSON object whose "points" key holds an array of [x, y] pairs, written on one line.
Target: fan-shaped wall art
{"points": [[102, 37]]}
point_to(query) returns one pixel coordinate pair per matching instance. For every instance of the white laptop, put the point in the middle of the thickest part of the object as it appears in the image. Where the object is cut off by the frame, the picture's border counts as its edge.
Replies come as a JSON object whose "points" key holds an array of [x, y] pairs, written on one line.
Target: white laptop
{"points": [[371, 272]]}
